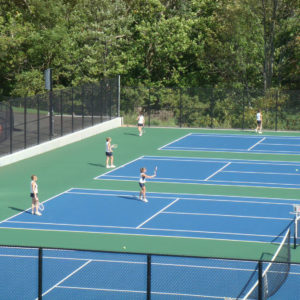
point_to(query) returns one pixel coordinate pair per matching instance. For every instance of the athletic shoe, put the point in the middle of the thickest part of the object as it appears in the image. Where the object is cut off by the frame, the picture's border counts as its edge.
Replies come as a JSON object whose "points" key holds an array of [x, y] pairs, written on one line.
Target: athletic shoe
{"points": [[112, 166], [145, 200], [107, 167], [260, 132], [38, 213]]}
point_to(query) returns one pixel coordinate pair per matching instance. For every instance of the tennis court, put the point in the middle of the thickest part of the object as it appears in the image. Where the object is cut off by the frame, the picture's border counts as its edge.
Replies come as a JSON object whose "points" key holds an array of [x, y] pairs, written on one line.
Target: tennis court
{"points": [[236, 143], [90, 275], [273, 174], [188, 215], [166, 214]]}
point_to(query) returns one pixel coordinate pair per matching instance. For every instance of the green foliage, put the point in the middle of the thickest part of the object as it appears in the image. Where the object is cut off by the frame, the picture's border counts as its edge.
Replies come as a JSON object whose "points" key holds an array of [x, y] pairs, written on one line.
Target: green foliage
{"points": [[158, 44]]}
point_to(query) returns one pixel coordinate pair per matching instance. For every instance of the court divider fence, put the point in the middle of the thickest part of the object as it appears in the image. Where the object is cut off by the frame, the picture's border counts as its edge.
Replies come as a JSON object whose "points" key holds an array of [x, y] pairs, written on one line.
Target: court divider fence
{"points": [[25, 122], [37, 273], [212, 107]]}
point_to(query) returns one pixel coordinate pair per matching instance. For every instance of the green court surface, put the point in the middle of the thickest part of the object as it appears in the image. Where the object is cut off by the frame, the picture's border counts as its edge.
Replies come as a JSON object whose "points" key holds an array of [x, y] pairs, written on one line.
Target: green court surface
{"points": [[77, 164]]}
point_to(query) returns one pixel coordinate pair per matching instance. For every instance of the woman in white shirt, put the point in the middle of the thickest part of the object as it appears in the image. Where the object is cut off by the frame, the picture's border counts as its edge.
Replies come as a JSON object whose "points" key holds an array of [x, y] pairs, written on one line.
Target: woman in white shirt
{"points": [[141, 123], [142, 183], [259, 122], [34, 196]]}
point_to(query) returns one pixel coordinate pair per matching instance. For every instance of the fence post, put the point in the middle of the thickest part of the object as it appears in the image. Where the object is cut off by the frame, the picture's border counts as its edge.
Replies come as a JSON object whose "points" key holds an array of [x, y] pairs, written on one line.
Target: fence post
{"points": [[276, 110], [260, 281], [50, 114], [243, 125], [61, 114], [25, 122], [148, 276], [38, 118], [72, 101], [149, 108], [92, 104], [82, 108], [119, 95], [40, 274], [11, 127], [180, 107]]}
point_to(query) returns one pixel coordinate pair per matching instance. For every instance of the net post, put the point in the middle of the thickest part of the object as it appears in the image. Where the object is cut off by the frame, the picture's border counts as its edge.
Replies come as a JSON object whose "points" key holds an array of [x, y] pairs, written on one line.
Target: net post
{"points": [[295, 232], [260, 280], [40, 274], [148, 276]]}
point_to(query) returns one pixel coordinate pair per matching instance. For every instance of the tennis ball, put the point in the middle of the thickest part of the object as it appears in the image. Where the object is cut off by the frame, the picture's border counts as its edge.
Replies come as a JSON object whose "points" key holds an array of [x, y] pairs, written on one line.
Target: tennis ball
{"points": [[124, 247], [297, 170]]}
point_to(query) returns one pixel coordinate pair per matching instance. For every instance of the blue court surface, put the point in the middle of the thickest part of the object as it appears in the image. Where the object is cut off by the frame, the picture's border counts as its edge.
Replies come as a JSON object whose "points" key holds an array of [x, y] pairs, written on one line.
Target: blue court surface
{"points": [[211, 171], [236, 143], [169, 215], [81, 275]]}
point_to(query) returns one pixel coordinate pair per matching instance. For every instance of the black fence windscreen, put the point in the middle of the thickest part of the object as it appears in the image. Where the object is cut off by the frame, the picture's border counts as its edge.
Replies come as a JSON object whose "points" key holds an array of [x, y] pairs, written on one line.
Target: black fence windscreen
{"points": [[212, 107], [25, 122]]}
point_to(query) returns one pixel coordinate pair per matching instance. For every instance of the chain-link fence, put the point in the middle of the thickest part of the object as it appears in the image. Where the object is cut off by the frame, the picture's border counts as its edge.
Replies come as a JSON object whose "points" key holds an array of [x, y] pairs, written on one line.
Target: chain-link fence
{"points": [[37, 273], [211, 107], [25, 122]]}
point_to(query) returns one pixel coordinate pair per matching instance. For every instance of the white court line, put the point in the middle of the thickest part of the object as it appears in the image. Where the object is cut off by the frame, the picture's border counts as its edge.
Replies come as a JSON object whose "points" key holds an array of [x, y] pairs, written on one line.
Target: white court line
{"points": [[101, 289], [65, 278], [5, 220], [218, 171], [122, 166], [267, 173], [175, 141], [223, 183], [256, 144], [235, 160], [292, 145], [139, 226], [230, 216], [213, 135], [153, 235], [189, 194], [201, 199], [254, 152]]}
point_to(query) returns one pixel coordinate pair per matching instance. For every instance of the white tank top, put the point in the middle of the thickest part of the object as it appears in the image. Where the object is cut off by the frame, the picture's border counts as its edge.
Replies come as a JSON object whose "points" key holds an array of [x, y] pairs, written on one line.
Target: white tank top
{"points": [[35, 189], [142, 178], [107, 148], [258, 116], [141, 119]]}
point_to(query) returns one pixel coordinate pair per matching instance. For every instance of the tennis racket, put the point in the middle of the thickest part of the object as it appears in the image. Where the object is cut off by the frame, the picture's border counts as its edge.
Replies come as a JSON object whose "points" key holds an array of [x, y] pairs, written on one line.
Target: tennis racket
{"points": [[155, 170], [143, 129], [115, 146], [41, 207]]}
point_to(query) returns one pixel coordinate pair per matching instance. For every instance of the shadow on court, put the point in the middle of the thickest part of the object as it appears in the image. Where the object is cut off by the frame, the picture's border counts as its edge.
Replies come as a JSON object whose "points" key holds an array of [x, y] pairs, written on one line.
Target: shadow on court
{"points": [[19, 209], [129, 133], [96, 165]]}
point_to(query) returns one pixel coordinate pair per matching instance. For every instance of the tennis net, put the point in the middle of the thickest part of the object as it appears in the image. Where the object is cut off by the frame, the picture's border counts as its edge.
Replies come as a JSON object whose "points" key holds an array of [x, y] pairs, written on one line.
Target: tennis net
{"points": [[276, 272]]}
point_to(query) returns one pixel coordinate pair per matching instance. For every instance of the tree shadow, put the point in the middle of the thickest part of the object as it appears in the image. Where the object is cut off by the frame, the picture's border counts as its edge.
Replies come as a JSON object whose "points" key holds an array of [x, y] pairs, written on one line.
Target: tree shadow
{"points": [[19, 210]]}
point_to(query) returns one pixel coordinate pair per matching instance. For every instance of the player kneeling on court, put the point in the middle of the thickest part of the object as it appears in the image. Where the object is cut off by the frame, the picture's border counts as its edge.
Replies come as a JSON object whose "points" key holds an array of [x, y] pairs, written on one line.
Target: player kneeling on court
{"points": [[109, 153], [142, 183], [34, 196]]}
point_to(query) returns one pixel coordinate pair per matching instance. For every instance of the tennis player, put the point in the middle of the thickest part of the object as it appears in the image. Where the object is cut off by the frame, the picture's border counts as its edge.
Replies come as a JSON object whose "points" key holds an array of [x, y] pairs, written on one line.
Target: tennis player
{"points": [[259, 122], [141, 123], [142, 183], [34, 196], [109, 154]]}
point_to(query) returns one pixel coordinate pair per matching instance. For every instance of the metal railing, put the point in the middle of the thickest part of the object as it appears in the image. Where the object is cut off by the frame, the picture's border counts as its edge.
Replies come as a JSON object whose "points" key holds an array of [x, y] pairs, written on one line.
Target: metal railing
{"points": [[29, 121]]}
